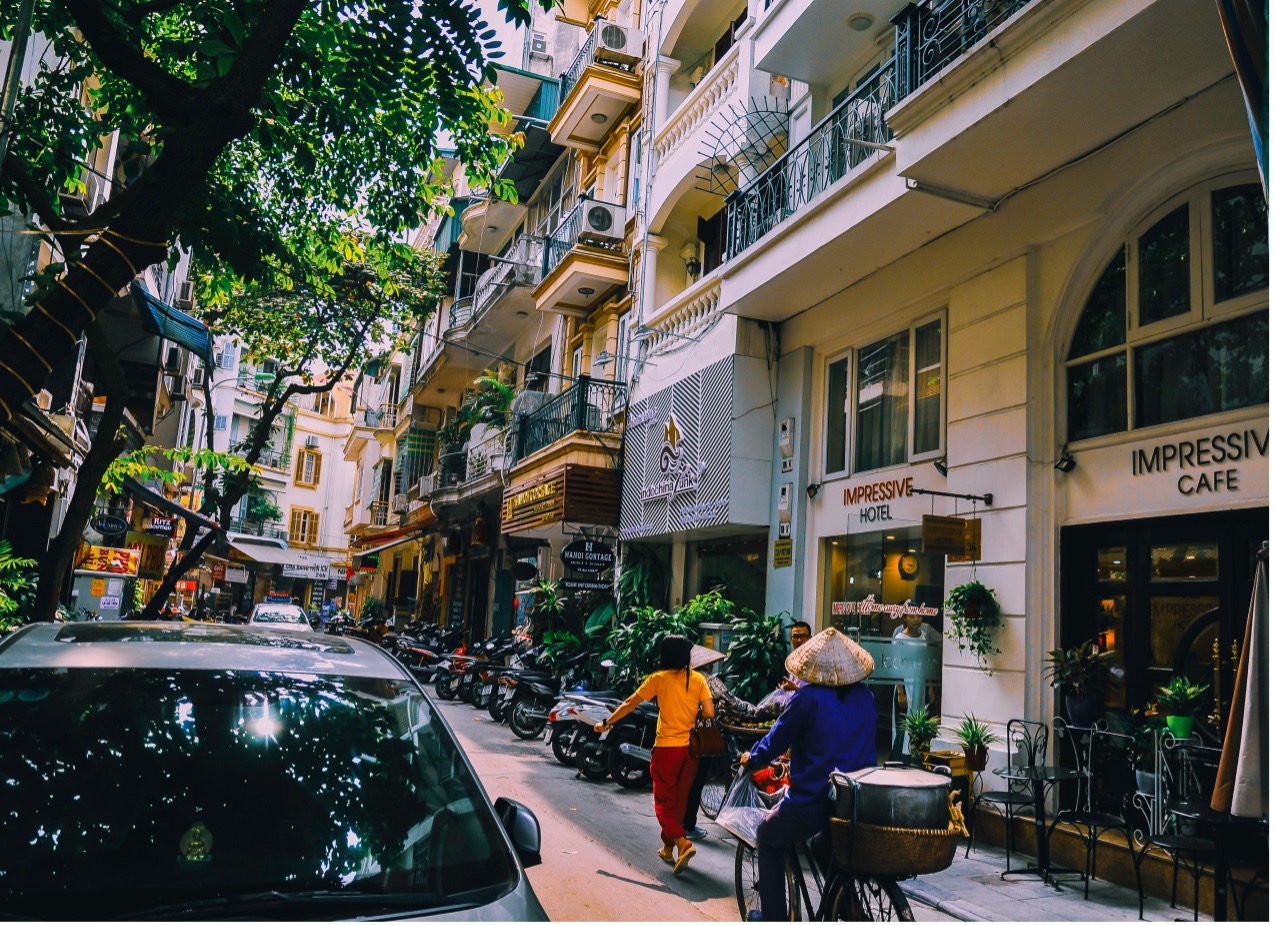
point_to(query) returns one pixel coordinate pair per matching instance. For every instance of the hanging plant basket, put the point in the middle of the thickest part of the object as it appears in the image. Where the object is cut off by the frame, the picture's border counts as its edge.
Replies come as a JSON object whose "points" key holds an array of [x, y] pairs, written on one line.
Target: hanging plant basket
{"points": [[973, 616]]}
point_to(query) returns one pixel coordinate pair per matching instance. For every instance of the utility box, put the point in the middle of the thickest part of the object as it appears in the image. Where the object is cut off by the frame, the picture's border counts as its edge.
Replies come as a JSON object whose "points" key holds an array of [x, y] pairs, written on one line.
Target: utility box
{"points": [[715, 636]]}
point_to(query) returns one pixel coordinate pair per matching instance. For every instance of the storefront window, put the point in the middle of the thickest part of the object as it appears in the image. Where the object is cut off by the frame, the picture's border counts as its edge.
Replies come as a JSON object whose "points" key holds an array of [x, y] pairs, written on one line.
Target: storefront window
{"points": [[1184, 562], [1120, 347], [882, 590], [737, 565]]}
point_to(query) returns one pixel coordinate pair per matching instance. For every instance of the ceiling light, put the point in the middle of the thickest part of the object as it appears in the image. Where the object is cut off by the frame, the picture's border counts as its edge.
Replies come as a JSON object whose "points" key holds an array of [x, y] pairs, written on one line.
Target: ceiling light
{"points": [[910, 550], [889, 537], [585, 290], [521, 314], [598, 117], [860, 22], [493, 228]]}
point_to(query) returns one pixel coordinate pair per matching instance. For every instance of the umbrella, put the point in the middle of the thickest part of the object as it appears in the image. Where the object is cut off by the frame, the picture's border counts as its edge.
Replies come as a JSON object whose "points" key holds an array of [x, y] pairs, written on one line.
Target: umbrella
{"points": [[1242, 784], [702, 656]]}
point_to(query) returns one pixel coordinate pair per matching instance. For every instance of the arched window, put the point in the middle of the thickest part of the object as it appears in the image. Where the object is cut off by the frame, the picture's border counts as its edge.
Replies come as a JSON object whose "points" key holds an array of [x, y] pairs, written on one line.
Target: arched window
{"points": [[1177, 325]]}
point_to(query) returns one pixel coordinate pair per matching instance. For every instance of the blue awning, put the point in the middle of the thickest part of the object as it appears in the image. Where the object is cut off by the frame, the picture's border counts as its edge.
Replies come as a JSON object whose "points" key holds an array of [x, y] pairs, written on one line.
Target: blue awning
{"points": [[158, 317]]}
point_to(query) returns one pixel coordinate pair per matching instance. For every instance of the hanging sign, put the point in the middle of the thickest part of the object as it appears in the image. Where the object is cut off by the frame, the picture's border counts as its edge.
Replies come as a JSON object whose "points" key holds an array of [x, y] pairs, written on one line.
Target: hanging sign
{"points": [[236, 575], [162, 526], [972, 542], [588, 556], [585, 584], [110, 524], [111, 561], [942, 535], [218, 571]]}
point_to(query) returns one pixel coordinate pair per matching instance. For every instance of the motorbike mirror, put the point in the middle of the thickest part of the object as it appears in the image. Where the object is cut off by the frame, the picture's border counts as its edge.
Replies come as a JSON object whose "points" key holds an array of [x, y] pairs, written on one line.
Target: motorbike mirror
{"points": [[523, 829]]}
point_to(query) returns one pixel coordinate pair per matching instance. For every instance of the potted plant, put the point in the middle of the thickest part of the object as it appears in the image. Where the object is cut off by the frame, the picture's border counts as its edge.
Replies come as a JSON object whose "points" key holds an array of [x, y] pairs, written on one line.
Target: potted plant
{"points": [[921, 729], [758, 647], [1179, 700], [1081, 674], [451, 439], [973, 616], [974, 737]]}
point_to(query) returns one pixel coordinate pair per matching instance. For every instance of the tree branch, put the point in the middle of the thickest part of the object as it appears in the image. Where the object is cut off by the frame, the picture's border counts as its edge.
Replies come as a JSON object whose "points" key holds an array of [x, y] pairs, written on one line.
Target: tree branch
{"points": [[36, 195], [173, 99]]}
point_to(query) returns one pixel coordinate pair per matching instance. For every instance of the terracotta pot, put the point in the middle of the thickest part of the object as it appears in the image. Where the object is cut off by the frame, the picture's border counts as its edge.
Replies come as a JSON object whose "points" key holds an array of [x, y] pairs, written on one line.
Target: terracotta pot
{"points": [[975, 758]]}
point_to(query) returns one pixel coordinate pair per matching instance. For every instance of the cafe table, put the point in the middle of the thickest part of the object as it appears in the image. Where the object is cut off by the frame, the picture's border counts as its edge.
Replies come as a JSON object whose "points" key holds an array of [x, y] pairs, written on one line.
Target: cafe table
{"points": [[1039, 777]]}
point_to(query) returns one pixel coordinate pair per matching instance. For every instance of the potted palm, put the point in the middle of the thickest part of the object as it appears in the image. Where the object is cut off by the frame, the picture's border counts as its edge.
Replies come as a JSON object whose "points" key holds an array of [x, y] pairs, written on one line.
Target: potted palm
{"points": [[975, 737], [921, 729], [1081, 673], [1179, 700]]}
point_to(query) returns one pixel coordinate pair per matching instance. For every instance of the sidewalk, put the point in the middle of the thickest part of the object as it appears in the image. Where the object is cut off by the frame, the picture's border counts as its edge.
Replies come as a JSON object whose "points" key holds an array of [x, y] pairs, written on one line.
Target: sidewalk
{"points": [[972, 891]]}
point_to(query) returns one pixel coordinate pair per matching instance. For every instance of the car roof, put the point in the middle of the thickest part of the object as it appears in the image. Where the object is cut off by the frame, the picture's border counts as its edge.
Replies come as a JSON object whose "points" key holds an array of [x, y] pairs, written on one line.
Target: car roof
{"points": [[197, 646]]}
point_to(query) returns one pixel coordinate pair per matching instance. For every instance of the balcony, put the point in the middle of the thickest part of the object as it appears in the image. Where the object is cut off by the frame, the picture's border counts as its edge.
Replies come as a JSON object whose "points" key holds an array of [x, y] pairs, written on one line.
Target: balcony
{"points": [[387, 417], [850, 135], [584, 259], [685, 314], [820, 42], [933, 34], [380, 513], [500, 305], [268, 529], [597, 88], [590, 405], [279, 461]]}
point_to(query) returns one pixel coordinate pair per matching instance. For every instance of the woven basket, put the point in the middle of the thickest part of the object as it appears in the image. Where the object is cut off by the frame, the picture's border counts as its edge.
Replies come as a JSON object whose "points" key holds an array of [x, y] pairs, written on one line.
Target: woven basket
{"points": [[894, 852]]}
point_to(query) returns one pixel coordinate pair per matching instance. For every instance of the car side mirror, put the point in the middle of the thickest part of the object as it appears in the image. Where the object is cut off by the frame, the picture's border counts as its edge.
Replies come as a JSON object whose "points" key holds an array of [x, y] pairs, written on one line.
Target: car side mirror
{"points": [[523, 829]]}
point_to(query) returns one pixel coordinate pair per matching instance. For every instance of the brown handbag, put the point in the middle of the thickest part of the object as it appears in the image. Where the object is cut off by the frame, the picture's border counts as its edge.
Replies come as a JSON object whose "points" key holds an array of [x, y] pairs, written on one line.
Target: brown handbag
{"points": [[706, 740]]}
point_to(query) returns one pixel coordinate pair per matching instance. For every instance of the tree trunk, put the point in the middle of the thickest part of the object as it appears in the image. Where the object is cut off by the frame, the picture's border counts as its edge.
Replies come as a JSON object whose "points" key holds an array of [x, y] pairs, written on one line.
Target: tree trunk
{"points": [[106, 446], [183, 564]]}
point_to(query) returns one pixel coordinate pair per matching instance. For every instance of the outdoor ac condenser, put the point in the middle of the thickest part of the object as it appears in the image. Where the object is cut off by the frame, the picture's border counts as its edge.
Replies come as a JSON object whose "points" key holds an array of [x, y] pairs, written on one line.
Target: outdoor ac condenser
{"points": [[618, 43], [603, 220]]}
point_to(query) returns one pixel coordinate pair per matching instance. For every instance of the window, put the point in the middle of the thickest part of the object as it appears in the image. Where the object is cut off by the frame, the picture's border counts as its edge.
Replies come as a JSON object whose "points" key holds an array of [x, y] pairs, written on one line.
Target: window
{"points": [[577, 362], [1154, 344], [634, 171], [622, 335], [228, 355], [303, 526], [322, 403], [219, 422], [309, 467], [893, 393]]}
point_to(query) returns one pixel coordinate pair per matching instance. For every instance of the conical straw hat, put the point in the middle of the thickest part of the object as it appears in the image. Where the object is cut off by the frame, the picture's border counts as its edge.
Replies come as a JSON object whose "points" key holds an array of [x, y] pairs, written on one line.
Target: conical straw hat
{"points": [[702, 656], [831, 659]]}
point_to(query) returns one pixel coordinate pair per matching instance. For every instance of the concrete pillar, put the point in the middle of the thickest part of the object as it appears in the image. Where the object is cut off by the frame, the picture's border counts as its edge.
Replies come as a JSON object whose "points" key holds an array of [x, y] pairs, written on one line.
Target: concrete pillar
{"points": [[653, 244], [785, 587], [665, 67], [677, 580]]}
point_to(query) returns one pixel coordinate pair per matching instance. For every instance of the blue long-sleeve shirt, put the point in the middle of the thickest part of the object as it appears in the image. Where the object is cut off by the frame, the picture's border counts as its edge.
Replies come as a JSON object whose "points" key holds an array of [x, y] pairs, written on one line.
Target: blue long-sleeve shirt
{"points": [[825, 734]]}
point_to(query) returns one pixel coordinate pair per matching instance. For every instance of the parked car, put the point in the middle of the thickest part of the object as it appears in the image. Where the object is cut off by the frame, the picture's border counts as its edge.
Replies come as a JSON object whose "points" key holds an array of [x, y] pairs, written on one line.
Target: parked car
{"points": [[280, 616], [160, 770]]}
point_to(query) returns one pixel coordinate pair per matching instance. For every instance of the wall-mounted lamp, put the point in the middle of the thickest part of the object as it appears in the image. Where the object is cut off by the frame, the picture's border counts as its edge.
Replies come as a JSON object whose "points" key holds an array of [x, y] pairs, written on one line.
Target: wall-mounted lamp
{"points": [[1065, 462], [812, 489], [693, 266], [690, 256], [941, 466], [605, 358]]}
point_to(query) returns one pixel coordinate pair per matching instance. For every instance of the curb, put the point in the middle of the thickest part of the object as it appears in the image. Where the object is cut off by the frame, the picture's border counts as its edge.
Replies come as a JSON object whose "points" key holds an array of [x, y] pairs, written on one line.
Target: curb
{"points": [[947, 902]]}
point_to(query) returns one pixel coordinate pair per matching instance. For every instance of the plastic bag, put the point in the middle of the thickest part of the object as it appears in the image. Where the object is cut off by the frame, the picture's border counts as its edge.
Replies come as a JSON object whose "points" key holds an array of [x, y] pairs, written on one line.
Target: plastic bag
{"points": [[775, 702], [742, 810]]}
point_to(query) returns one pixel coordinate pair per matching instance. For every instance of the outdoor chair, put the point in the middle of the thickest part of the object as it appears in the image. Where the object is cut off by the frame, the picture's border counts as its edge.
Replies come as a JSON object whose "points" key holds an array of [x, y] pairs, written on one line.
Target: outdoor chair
{"points": [[1027, 744], [1105, 800], [1187, 773]]}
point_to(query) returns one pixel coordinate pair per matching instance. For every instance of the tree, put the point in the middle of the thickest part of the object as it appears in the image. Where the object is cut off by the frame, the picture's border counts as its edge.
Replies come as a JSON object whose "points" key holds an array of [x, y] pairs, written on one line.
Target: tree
{"points": [[317, 335], [251, 131]]}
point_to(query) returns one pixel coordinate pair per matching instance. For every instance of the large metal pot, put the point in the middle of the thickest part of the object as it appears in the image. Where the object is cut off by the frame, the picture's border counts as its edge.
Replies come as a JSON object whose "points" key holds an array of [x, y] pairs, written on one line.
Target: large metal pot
{"points": [[905, 798]]}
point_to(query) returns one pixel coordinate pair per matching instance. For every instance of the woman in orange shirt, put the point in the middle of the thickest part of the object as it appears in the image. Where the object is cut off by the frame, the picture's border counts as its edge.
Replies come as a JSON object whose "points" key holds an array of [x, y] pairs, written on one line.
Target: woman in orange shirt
{"points": [[682, 695]]}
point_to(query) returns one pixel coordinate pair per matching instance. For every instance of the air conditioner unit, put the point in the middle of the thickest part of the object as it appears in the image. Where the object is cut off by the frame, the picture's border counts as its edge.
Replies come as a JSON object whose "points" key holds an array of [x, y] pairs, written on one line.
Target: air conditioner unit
{"points": [[199, 377], [539, 44], [603, 220], [177, 388], [172, 360], [312, 442], [618, 43], [77, 204], [186, 295]]}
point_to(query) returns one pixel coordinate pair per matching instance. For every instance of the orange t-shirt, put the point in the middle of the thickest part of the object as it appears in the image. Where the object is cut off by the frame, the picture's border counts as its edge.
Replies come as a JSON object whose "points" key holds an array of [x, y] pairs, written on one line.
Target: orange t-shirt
{"points": [[678, 703]]}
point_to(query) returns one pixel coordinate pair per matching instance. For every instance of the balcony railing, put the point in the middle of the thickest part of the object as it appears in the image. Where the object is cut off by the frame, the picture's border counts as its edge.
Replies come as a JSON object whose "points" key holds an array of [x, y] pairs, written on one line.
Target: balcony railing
{"points": [[526, 260], [558, 244], [461, 313], [268, 529], [280, 461], [589, 404], [849, 135], [931, 34], [380, 513], [490, 454], [388, 416], [587, 55]]}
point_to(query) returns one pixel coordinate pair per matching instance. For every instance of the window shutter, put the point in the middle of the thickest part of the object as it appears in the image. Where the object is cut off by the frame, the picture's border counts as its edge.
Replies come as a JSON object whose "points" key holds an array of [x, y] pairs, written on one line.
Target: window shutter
{"points": [[318, 467], [294, 525], [311, 535]]}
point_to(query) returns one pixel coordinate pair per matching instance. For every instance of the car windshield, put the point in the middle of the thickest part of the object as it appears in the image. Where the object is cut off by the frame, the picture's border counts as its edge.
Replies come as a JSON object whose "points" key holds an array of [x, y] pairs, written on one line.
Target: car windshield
{"points": [[278, 616], [125, 791]]}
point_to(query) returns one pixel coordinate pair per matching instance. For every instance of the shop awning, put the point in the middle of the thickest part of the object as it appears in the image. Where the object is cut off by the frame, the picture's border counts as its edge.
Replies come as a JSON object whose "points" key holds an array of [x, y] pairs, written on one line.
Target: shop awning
{"points": [[273, 555], [389, 545], [155, 499], [170, 323]]}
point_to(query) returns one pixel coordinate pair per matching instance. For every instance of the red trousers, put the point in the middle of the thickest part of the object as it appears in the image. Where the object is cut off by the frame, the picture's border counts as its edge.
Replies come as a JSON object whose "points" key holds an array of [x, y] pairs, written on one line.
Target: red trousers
{"points": [[672, 772]]}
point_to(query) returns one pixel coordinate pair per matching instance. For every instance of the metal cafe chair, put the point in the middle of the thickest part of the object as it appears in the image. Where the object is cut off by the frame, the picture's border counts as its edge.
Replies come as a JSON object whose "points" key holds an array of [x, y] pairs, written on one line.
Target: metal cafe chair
{"points": [[1105, 800], [1027, 743], [1187, 772]]}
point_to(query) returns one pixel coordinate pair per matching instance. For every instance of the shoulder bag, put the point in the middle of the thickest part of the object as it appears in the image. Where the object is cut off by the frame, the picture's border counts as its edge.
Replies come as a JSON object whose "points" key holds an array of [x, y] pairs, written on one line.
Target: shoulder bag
{"points": [[706, 740]]}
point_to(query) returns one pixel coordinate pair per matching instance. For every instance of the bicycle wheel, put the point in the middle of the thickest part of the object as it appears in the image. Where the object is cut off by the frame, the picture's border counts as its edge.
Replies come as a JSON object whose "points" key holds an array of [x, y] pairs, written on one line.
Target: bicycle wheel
{"points": [[747, 884], [863, 898], [720, 777]]}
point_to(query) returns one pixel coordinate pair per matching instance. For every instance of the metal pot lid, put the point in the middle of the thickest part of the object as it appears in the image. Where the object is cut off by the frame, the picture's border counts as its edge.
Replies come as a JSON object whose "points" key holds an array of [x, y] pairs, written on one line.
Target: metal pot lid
{"points": [[912, 778]]}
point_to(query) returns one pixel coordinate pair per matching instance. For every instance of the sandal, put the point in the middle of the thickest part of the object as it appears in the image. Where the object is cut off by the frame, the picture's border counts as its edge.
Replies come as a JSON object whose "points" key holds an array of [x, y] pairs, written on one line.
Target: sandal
{"points": [[683, 861], [665, 855]]}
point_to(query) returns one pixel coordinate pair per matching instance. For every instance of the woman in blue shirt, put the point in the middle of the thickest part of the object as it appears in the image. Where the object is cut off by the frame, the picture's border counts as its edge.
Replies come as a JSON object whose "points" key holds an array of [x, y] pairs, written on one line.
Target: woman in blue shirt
{"points": [[829, 725]]}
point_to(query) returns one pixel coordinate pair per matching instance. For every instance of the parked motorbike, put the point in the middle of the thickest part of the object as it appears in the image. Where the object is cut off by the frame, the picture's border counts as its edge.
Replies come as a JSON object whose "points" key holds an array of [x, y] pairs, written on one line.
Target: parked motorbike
{"points": [[528, 709], [563, 728]]}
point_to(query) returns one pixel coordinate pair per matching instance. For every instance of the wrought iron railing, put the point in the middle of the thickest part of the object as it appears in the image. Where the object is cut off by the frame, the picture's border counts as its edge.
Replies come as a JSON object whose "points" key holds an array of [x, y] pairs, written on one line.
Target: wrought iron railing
{"points": [[572, 74], [525, 261], [558, 244], [249, 527], [849, 135], [276, 460], [486, 456], [589, 404], [931, 34], [380, 513], [461, 313]]}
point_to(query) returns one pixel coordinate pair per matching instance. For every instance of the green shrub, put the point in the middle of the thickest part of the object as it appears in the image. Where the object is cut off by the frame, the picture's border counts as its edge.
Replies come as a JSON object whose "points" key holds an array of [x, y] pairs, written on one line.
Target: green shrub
{"points": [[758, 648]]}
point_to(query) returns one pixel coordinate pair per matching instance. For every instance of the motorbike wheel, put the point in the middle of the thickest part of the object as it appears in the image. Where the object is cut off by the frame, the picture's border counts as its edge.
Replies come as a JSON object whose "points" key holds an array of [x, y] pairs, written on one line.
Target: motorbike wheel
{"points": [[442, 687], [591, 757], [630, 773], [523, 725], [493, 706], [563, 744]]}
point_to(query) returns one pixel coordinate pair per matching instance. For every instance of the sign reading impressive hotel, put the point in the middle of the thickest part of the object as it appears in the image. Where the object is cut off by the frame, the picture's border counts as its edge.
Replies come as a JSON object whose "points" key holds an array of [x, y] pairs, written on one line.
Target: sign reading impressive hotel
{"points": [[682, 452]]}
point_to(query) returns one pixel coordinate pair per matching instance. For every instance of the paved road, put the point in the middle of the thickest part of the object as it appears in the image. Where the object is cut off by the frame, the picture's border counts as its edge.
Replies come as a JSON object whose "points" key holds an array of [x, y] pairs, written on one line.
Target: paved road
{"points": [[599, 840]]}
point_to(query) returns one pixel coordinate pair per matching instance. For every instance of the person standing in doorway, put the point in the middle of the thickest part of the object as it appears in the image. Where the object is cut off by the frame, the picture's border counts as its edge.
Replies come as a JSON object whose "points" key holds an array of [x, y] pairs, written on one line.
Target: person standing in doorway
{"points": [[682, 695]]}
